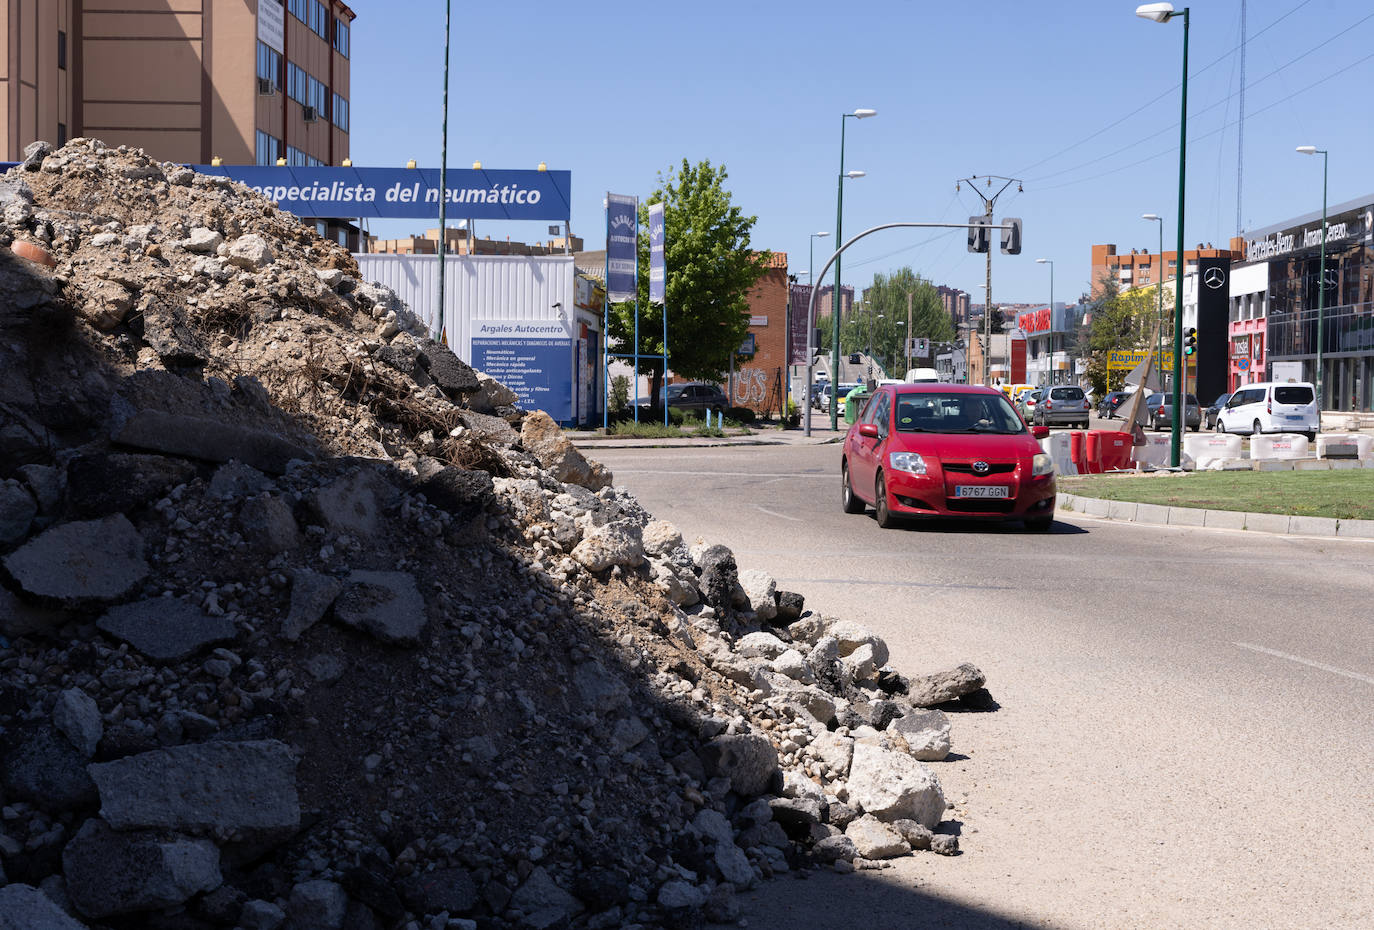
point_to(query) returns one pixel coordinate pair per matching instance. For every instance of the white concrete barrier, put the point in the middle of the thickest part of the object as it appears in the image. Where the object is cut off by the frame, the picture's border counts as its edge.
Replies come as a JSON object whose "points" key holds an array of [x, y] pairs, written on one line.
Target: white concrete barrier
{"points": [[1156, 451], [1364, 445], [1279, 446], [1204, 448], [1056, 446]]}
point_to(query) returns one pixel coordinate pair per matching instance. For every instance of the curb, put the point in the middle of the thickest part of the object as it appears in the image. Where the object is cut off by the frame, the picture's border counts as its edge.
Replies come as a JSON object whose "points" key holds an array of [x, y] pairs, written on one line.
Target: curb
{"points": [[1159, 515]]}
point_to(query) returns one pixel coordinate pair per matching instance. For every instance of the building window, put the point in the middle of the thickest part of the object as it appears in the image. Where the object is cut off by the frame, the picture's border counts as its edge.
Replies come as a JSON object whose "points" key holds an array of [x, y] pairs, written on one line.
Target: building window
{"points": [[269, 65], [297, 83], [341, 37], [341, 112], [61, 50], [298, 159], [268, 149], [319, 97]]}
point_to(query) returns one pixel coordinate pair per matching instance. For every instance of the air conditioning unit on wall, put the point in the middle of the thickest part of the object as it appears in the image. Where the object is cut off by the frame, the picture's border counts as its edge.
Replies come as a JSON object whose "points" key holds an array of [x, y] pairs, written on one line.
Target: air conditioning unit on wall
{"points": [[265, 87], [310, 114]]}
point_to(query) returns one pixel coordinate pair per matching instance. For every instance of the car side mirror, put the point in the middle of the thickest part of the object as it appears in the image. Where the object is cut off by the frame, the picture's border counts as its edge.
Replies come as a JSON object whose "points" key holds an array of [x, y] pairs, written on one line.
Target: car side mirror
{"points": [[870, 430], [1040, 432]]}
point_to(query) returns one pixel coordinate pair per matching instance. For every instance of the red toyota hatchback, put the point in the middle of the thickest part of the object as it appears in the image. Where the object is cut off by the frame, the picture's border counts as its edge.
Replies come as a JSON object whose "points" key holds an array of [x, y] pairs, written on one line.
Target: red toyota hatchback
{"points": [[947, 450]]}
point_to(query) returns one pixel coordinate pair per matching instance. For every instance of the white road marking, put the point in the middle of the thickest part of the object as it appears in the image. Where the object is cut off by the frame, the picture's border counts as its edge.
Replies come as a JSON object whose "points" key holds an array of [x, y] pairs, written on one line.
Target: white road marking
{"points": [[774, 513], [1299, 659]]}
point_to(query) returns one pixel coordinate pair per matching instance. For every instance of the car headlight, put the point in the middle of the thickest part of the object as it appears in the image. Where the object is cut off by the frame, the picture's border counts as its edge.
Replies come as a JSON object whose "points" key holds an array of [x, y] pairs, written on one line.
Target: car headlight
{"points": [[910, 462], [1041, 465]]}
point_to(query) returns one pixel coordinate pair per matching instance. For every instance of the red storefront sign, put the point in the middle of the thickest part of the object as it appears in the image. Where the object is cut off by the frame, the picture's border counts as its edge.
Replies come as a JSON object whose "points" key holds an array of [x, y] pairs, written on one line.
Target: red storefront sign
{"points": [[1037, 321]]}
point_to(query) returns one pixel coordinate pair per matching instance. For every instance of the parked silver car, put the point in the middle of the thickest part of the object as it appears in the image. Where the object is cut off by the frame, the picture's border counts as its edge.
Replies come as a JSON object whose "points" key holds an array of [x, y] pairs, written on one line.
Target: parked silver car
{"points": [[1062, 404], [1159, 412]]}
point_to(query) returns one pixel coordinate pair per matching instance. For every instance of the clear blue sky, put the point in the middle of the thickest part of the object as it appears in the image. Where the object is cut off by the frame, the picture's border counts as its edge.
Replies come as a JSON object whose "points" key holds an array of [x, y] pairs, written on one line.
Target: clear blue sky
{"points": [[1079, 99]]}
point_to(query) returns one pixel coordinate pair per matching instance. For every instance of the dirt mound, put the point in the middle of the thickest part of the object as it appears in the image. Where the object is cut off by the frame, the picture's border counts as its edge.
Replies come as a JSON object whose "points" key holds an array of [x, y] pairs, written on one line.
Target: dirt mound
{"points": [[301, 623]]}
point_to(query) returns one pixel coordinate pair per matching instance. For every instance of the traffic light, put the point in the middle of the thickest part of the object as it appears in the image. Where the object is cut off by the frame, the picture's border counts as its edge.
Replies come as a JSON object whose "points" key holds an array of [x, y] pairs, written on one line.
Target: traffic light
{"points": [[1011, 238], [978, 233], [1190, 341]]}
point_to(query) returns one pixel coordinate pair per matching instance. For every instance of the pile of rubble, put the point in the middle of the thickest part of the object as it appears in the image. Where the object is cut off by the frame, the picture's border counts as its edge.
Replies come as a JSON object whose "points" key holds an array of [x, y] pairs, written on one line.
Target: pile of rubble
{"points": [[304, 624]]}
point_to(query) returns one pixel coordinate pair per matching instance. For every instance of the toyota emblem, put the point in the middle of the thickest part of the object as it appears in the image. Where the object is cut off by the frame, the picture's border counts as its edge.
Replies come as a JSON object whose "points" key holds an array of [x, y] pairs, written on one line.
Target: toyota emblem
{"points": [[980, 467]]}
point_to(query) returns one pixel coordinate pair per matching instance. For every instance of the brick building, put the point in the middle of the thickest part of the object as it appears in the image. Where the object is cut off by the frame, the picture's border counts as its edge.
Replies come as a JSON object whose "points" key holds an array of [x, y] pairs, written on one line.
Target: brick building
{"points": [[759, 382], [458, 243], [956, 303]]}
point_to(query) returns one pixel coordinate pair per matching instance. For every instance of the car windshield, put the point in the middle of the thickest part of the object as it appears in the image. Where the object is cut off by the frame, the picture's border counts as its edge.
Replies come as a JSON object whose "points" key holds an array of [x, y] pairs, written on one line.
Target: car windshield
{"points": [[956, 413]]}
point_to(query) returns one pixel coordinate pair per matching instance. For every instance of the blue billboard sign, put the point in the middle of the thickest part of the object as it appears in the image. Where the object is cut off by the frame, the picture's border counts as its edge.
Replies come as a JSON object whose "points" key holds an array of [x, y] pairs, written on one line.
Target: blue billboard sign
{"points": [[531, 357], [622, 247], [408, 193], [657, 268]]}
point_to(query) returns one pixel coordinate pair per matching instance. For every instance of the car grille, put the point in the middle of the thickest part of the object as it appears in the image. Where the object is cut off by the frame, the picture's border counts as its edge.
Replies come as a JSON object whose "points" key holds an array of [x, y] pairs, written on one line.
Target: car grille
{"points": [[994, 468]]}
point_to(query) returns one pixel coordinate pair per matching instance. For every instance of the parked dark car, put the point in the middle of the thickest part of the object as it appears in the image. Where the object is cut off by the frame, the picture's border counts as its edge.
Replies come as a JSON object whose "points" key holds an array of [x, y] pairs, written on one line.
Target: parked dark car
{"points": [[695, 397], [1110, 403], [1159, 412], [1210, 414]]}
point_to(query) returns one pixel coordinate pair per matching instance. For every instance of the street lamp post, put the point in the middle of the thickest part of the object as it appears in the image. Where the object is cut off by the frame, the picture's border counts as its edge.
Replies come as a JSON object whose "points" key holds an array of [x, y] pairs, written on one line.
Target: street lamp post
{"points": [[1162, 13], [1321, 271], [839, 237], [1048, 347], [1159, 286]]}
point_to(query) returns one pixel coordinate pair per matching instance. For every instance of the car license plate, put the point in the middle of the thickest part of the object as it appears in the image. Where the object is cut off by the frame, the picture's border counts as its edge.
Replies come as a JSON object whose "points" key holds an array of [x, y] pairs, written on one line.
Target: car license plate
{"points": [[982, 490], [1291, 416]]}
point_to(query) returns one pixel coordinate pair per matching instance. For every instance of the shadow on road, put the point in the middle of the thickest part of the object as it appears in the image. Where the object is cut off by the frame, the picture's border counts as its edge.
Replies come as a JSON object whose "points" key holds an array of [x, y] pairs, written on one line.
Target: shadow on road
{"points": [[879, 900], [985, 528]]}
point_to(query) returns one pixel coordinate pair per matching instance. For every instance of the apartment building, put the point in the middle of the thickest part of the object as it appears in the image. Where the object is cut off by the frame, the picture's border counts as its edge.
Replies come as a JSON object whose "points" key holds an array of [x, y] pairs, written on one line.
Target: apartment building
{"points": [[252, 82], [1140, 267]]}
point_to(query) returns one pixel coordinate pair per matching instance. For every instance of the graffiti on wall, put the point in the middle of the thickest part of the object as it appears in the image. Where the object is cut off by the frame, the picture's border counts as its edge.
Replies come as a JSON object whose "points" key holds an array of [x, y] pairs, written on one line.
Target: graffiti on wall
{"points": [[751, 387]]}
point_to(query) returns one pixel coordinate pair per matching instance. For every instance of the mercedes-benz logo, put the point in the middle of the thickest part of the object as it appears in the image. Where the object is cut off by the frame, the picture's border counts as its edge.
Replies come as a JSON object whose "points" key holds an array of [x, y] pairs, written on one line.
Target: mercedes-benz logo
{"points": [[980, 467], [1214, 278]]}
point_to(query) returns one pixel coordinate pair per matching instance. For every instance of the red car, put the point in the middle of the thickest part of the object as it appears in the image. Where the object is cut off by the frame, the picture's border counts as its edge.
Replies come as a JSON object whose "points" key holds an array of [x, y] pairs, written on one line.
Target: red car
{"points": [[947, 450]]}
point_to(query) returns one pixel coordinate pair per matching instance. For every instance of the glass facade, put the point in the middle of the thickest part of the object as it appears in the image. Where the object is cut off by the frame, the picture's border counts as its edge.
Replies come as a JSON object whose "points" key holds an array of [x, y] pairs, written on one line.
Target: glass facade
{"points": [[1347, 341]]}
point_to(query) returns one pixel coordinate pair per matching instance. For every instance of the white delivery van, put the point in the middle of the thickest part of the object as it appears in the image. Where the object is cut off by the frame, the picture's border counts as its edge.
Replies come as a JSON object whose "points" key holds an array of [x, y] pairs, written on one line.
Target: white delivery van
{"points": [[1272, 407], [922, 376]]}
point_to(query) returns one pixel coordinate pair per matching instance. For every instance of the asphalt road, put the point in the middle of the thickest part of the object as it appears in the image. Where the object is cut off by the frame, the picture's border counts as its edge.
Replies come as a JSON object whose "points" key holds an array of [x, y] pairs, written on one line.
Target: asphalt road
{"points": [[1185, 735]]}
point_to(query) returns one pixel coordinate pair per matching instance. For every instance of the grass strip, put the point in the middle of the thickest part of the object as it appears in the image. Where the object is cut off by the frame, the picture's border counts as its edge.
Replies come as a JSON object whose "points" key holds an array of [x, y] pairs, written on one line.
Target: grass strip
{"points": [[1345, 495]]}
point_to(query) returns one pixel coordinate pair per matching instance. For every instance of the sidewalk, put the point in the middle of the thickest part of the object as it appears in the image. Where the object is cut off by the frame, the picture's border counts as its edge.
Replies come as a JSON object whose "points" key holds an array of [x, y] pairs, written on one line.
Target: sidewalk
{"points": [[589, 441]]}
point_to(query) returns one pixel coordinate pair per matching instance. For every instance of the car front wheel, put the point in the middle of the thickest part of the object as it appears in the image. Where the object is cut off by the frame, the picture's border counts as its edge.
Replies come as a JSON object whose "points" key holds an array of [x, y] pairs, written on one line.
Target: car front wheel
{"points": [[1256, 430], [885, 518], [850, 500]]}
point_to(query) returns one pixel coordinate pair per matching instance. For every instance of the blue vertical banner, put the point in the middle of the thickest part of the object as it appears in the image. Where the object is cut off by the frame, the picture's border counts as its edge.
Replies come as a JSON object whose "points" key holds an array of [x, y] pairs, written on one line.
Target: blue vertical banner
{"points": [[622, 222], [657, 269]]}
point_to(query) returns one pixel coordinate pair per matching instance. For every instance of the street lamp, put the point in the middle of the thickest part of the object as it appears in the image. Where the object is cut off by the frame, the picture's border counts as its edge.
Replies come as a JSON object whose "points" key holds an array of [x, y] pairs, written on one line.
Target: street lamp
{"points": [[1321, 271], [1162, 13], [1050, 262], [839, 237], [1159, 286]]}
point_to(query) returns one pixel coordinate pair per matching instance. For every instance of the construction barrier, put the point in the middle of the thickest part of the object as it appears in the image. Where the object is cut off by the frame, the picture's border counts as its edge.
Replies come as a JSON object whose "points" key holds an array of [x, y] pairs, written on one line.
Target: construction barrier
{"points": [[1092, 451], [1056, 446], [1077, 451], [1279, 446], [1344, 445], [1206, 448], [1116, 452]]}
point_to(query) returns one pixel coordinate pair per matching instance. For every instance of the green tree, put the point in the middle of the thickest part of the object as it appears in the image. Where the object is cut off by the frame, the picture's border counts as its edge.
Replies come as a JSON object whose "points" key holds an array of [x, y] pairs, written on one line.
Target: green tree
{"points": [[884, 318], [710, 269], [1123, 320]]}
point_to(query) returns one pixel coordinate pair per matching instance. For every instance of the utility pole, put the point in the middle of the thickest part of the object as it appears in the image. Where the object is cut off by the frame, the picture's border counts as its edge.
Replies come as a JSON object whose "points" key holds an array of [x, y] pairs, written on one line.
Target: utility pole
{"points": [[908, 331], [988, 203]]}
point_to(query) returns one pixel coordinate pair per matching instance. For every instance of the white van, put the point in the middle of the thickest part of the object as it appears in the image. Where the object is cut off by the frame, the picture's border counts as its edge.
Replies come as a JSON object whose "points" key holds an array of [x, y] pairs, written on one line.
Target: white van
{"points": [[922, 376], [1272, 407]]}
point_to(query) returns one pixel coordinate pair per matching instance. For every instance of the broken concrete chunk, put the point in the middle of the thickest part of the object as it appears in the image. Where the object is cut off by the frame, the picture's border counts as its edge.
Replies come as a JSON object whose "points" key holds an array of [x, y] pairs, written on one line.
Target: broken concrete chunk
{"points": [[945, 686], [748, 760], [543, 439], [250, 252], [893, 786], [111, 873], [242, 789], [202, 241], [119, 482], [87, 560], [166, 629], [448, 371], [311, 595], [386, 605], [47, 771], [927, 734], [77, 716], [618, 543], [23, 907], [268, 521]]}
